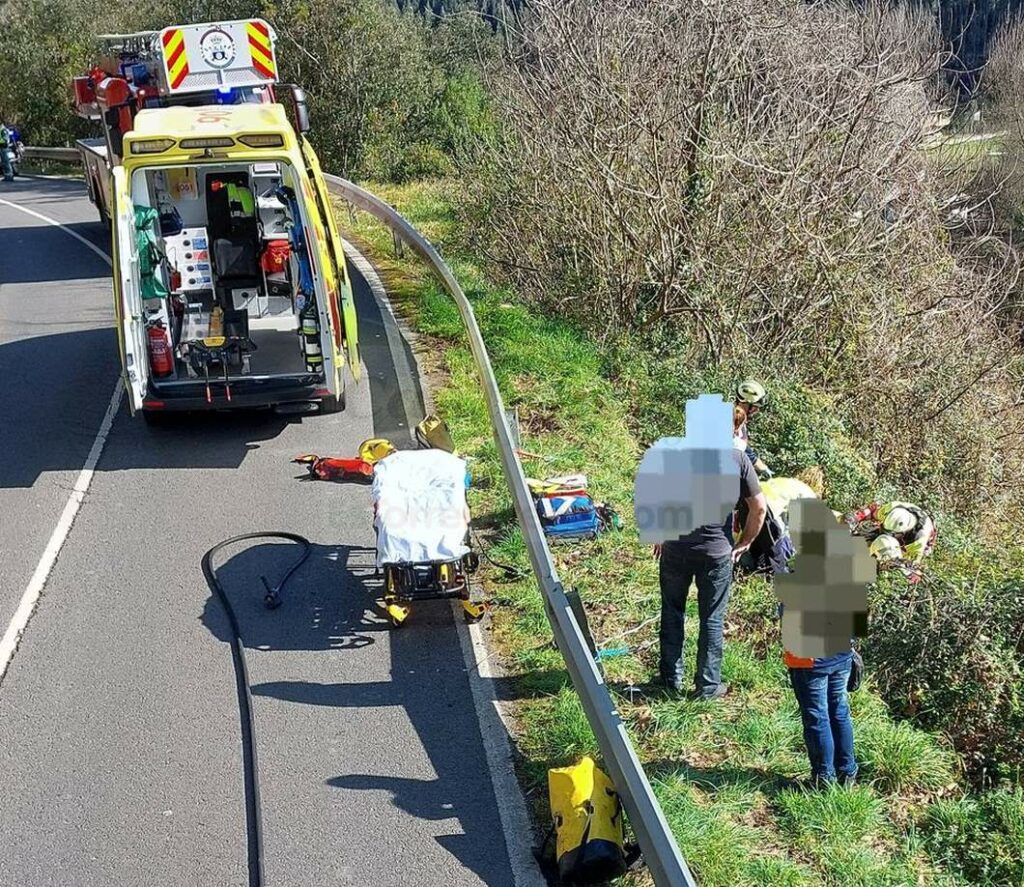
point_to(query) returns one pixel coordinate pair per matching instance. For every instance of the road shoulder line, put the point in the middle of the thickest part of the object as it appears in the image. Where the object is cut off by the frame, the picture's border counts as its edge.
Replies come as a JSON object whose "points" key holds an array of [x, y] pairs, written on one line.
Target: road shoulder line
{"points": [[34, 589]]}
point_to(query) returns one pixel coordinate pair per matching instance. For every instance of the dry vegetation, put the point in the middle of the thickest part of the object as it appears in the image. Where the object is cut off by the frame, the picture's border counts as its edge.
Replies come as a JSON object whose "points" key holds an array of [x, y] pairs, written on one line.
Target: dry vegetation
{"points": [[750, 175]]}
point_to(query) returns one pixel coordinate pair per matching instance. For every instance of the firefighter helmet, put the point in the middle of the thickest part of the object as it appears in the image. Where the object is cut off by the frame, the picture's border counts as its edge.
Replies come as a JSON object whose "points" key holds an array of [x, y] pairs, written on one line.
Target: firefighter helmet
{"points": [[375, 449], [899, 520], [885, 548], [751, 392]]}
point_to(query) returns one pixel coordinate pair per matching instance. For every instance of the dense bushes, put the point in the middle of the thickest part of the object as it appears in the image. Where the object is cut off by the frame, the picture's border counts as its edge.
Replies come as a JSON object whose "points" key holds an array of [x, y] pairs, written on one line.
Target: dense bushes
{"points": [[981, 838], [950, 653], [390, 96]]}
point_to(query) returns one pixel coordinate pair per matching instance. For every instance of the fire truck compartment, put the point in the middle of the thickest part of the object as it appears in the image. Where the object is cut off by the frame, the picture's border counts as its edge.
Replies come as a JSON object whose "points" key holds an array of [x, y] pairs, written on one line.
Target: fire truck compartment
{"points": [[229, 259]]}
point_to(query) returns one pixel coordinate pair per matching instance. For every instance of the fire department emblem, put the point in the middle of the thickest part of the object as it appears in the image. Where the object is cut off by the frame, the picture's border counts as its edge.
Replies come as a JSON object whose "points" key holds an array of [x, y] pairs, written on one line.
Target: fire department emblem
{"points": [[217, 48]]}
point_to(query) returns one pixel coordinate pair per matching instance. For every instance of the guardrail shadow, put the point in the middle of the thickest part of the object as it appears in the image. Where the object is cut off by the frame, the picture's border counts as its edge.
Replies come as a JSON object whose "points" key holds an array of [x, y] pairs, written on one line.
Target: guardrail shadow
{"points": [[389, 366], [330, 605]]}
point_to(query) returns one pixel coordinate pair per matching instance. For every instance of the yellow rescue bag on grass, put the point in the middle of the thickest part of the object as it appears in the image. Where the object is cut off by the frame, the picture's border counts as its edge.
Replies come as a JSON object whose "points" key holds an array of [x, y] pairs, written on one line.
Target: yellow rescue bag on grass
{"points": [[588, 824]]}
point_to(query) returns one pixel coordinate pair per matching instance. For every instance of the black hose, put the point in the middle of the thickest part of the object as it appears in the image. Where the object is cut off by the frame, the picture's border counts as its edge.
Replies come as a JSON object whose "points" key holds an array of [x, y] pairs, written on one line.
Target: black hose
{"points": [[253, 815]]}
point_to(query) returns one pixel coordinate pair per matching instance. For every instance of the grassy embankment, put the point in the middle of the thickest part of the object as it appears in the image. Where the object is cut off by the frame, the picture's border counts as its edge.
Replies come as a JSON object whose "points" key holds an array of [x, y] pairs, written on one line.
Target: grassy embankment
{"points": [[724, 773]]}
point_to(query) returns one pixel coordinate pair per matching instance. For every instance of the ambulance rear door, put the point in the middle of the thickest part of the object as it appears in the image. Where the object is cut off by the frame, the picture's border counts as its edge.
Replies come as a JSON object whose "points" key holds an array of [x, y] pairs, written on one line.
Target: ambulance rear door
{"points": [[131, 325], [342, 304]]}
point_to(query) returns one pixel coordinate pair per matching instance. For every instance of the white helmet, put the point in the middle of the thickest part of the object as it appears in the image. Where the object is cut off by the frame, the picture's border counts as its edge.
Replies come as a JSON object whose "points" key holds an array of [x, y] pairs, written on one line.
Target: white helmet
{"points": [[899, 520], [885, 548], [752, 392]]}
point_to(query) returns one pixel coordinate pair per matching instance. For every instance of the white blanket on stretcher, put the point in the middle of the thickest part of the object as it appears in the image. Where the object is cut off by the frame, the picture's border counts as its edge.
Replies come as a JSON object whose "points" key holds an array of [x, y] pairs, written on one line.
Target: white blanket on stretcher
{"points": [[420, 510]]}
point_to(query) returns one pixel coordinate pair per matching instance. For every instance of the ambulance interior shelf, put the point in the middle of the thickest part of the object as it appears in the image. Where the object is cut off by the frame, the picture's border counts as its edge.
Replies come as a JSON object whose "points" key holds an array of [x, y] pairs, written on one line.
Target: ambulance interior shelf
{"points": [[229, 268]]}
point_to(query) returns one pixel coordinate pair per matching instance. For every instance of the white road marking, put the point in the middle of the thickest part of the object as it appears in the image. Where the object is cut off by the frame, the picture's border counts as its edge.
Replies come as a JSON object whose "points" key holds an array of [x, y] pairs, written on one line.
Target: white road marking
{"points": [[29, 600], [494, 729], [64, 228]]}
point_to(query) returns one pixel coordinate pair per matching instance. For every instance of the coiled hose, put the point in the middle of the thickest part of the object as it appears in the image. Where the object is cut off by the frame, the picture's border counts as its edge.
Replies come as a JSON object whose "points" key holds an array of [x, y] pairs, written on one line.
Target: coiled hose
{"points": [[272, 599]]}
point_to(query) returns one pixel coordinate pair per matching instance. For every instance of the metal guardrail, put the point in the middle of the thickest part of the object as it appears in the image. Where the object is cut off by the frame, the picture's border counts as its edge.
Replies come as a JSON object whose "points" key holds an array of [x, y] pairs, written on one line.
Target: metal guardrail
{"points": [[659, 847], [69, 155]]}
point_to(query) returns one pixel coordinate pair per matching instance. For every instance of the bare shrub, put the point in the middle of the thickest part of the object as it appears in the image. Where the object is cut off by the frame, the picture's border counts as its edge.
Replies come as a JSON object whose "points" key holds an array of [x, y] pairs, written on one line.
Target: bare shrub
{"points": [[750, 174]]}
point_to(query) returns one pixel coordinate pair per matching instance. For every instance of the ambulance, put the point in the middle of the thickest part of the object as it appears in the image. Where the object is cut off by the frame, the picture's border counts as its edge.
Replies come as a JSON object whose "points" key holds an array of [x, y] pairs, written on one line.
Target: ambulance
{"points": [[231, 287]]}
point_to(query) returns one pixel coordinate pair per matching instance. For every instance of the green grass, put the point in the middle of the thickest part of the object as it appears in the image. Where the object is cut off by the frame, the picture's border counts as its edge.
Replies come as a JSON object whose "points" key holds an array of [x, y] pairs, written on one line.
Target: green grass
{"points": [[724, 773]]}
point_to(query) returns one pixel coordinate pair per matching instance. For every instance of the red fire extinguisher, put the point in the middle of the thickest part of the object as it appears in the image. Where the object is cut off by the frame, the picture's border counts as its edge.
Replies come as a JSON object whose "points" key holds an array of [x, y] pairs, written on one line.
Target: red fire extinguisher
{"points": [[159, 350]]}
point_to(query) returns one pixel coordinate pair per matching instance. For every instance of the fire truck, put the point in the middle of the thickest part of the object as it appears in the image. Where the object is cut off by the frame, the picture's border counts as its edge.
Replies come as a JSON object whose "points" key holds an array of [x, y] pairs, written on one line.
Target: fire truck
{"points": [[231, 287]]}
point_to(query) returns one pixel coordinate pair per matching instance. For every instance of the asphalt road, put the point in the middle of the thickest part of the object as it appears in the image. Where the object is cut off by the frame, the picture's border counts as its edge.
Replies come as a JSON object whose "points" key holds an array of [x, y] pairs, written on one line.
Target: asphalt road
{"points": [[120, 754]]}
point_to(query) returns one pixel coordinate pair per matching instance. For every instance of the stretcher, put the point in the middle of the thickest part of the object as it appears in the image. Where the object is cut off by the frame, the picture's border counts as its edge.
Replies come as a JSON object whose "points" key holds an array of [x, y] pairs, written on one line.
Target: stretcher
{"points": [[421, 521]]}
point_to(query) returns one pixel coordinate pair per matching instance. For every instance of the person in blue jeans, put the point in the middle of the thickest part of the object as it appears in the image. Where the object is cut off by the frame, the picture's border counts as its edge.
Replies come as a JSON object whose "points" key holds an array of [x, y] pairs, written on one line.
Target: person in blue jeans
{"points": [[820, 688], [705, 556]]}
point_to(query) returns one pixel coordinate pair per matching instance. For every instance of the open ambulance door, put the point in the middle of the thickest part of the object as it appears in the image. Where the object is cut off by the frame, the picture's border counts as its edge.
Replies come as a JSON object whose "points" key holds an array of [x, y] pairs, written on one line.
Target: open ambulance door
{"points": [[131, 325], [344, 304]]}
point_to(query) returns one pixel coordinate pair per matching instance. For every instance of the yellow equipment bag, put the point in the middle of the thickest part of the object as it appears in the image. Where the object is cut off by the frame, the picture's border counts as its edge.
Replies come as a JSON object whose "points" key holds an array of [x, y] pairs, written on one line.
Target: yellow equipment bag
{"points": [[376, 448], [588, 824], [433, 433]]}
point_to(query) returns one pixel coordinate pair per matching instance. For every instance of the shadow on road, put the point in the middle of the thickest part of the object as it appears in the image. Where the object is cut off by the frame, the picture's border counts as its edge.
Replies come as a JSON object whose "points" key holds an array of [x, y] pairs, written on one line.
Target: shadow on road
{"points": [[43, 253], [330, 605], [390, 367], [55, 391]]}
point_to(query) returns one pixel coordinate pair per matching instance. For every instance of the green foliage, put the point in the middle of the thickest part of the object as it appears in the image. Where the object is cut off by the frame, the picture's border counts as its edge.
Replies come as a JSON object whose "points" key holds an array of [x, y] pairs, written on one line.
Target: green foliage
{"points": [[948, 653], [389, 95], [801, 427], [981, 838]]}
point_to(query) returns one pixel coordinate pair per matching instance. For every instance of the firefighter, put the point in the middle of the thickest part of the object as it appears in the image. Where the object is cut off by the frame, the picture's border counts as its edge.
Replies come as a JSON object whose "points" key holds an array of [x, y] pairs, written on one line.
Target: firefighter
{"points": [[909, 526], [749, 399]]}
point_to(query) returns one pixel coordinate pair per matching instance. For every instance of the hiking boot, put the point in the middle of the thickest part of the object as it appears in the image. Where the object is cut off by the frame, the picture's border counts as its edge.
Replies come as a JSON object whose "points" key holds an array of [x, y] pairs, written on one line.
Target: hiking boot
{"points": [[719, 692], [670, 684], [847, 780]]}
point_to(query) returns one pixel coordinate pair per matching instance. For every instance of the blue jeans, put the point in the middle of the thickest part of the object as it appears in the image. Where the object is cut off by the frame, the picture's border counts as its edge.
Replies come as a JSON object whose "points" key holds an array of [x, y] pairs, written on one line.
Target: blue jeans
{"points": [[714, 580], [825, 711]]}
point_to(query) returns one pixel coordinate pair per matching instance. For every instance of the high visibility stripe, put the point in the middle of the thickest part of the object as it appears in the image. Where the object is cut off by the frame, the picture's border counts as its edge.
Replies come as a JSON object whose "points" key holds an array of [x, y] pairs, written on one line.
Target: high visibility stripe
{"points": [[175, 57], [259, 54], [260, 50], [181, 75]]}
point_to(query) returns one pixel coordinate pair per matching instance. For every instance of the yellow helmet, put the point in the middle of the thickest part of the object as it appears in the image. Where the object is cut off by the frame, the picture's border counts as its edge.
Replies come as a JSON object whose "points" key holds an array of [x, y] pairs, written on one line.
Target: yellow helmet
{"points": [[375, 449]]}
